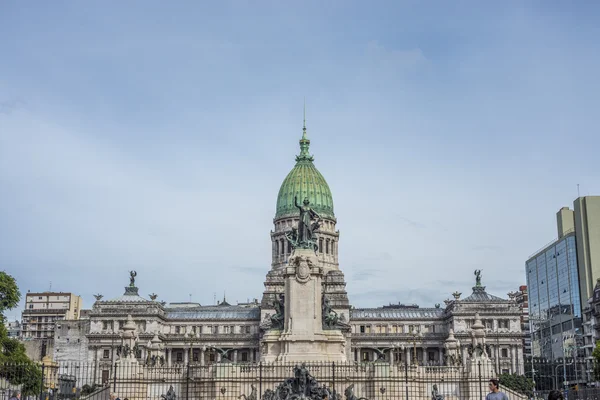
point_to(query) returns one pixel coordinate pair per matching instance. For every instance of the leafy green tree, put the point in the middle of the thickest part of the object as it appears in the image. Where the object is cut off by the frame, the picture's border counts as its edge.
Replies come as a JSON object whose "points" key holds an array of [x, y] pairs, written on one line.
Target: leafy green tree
{"points": [[518, 383], [596, 355], [9, 293], [15, 366]]}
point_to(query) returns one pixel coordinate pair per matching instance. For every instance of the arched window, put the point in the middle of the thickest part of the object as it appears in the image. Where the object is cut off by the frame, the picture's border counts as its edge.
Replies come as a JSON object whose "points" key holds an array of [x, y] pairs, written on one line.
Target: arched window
{"points": [[289, 248], [282, 242], [276, 245], [320, 245], [327, 246]]}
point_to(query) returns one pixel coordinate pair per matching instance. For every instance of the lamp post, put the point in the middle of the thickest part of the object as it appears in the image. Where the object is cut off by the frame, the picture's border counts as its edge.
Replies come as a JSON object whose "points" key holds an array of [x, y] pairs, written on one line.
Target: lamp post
{"points": [[415, 334]]}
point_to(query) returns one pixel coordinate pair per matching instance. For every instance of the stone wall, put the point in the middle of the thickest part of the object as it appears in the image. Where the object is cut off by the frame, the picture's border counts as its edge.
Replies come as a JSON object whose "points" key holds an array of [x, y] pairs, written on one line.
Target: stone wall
{"points": [[36, 349], [71, 342]]}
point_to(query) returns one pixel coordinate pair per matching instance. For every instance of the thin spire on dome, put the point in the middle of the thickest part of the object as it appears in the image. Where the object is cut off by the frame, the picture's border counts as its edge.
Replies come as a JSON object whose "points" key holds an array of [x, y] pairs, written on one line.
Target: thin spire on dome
{"points": [[304, 122], [304, 142]]}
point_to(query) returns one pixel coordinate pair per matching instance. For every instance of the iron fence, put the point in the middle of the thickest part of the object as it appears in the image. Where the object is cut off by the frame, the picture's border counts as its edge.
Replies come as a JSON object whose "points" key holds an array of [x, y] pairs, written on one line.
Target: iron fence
{"points": [[256, 381]]}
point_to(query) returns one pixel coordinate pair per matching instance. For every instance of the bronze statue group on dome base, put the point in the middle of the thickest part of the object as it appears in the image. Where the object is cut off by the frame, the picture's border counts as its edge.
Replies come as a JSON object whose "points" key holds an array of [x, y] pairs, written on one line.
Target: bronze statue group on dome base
{"points": [[304, 236]]}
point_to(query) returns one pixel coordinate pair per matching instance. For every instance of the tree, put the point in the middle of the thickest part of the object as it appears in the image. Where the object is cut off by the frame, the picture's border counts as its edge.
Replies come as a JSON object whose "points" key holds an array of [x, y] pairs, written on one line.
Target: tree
{"points": [[9, 293], [596, 355], [15, 366], [518, 383]]}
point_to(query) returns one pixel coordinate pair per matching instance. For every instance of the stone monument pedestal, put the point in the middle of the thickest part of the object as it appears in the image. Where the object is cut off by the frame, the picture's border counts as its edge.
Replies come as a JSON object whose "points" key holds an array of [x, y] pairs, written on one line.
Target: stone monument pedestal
{"points": [[303, 337]]}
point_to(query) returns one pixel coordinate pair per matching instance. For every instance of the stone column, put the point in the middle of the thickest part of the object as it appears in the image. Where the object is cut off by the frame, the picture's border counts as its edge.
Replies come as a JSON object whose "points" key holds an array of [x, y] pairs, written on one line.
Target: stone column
{"points": [[441, 356], [186, 356], [513, 357], [424, 350], [407, 352], [218, 357], [520, 360], [168, 357], [235, 356], [202, 356]]}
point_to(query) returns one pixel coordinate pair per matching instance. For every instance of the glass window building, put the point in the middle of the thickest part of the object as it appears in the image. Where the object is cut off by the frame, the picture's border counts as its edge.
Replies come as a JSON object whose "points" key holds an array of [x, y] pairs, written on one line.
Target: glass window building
{"points": [[554, 303]]}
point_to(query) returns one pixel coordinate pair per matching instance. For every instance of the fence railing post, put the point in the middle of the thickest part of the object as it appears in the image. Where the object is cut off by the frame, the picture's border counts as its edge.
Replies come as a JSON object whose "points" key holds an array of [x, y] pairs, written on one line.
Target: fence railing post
{"points": [[406, 377], [480, 388], [115, 378], [42, 383], [187, 383], [333, 376], [260, 380]]}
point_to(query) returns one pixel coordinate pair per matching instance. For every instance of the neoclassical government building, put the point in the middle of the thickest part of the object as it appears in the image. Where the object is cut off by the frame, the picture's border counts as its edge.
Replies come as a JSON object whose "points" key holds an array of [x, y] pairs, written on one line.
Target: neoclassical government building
{"points": [[181, 333]]}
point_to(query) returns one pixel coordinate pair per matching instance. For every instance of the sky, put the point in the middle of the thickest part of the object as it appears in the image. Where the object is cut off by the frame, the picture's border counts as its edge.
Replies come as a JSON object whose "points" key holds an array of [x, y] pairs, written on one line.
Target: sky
{"points": [[153, 136]]}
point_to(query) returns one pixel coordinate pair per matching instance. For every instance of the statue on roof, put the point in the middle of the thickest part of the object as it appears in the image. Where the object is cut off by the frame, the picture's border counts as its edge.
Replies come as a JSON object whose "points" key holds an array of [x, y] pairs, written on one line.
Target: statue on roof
{"points": [[477, 274], [132, 275]]}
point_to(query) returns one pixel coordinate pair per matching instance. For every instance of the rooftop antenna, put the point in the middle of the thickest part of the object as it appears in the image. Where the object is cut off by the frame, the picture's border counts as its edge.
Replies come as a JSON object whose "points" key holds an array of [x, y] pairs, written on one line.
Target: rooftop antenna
{"points": [[50, 287], [190, 297], [578, 190], [214, 297]]}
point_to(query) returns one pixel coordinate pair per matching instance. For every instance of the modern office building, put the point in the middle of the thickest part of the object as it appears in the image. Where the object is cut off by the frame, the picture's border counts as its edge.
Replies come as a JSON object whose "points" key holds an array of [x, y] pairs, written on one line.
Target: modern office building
{"points": [[586, 216], [553, 290], [43, 309]]}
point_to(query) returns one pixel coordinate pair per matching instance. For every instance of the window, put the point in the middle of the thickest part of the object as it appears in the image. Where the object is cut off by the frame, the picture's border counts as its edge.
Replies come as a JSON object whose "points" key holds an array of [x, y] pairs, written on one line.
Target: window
{"points": [[320, 245], [212, 357], [106, 354], [121, 323], [179, 357], [245, 356], [504, 353], [177, 330], [39, 298], [431, 356], [195, 356], [31, 306], [327, 247], [362, 329], [247, 329]]}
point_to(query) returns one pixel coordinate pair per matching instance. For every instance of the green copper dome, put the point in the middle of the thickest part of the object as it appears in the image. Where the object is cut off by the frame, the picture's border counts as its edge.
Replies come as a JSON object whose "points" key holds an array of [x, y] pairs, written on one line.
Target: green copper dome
{"points": [[304, 180]]}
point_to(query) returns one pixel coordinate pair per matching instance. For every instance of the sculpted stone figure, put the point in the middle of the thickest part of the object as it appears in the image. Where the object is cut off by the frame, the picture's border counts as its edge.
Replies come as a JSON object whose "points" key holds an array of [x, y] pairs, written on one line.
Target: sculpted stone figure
{"points": [[277, 320], [132, 275], [435, 394], [330, 317], [305, 227], [477, 274], [303, 386], [170, 394], [252, 394], [349, 393]]}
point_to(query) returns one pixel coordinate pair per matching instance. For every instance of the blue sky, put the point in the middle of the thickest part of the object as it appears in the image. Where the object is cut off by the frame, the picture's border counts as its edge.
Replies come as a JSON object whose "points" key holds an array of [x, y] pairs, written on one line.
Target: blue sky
{"points": [[152, 136]]}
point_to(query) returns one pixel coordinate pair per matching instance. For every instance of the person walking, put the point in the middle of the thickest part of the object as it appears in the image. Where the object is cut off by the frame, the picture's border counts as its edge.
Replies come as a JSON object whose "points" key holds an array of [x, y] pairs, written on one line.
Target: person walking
{"points": [[495, 393], [16, 395]]}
